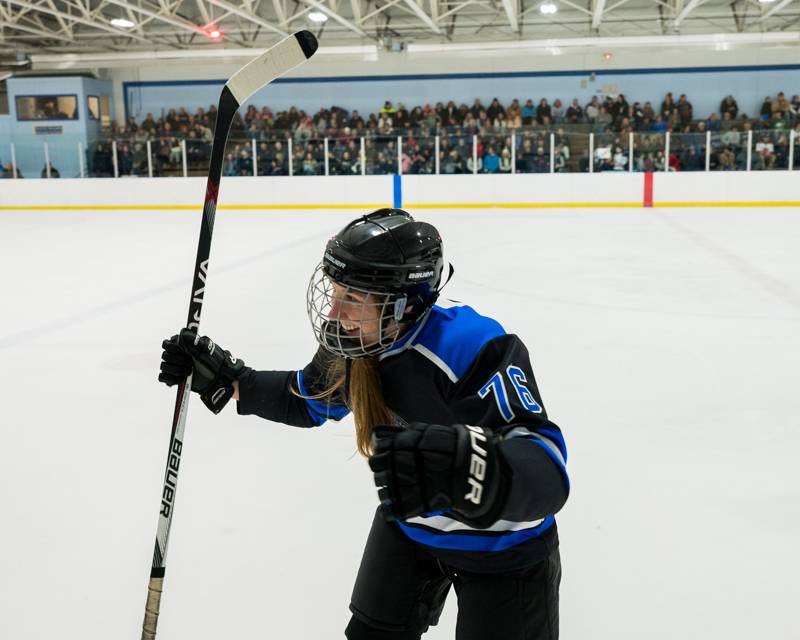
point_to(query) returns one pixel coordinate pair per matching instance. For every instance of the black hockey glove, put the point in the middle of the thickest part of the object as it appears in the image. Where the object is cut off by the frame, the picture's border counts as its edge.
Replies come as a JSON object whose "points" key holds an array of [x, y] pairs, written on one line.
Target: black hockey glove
{"points": [[214, 368], [430, 468]]}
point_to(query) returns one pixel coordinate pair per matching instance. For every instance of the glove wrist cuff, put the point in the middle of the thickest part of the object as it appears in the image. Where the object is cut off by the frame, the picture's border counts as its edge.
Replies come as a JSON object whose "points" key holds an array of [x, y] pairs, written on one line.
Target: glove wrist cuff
{"points": [[217, 397]]}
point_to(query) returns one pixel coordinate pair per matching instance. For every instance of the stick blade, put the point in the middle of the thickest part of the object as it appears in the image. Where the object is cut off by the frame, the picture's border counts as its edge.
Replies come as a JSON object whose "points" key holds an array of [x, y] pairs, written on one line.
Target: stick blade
{"points": [[273, 63], [308, 43]]}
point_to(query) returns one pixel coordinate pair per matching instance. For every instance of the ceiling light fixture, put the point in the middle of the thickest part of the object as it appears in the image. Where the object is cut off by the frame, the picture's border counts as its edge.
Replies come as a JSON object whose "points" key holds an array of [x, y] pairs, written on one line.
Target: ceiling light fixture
{"points": [[123, 23], [214, 34], [317, 16], [548, 8]]}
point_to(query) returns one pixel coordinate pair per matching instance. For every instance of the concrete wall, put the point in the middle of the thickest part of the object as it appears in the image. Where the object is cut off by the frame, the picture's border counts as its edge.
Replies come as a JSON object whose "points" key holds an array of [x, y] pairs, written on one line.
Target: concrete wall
{"points": [[766, 188]]}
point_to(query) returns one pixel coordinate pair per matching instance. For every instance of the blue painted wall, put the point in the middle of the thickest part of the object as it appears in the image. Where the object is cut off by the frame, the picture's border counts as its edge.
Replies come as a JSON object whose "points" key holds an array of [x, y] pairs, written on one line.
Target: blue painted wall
{"points": [[62, 147], [705, 88]]}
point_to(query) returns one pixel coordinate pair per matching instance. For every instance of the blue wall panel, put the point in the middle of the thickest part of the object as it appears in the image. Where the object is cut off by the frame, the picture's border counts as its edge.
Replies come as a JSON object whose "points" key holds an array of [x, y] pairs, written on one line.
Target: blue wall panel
{"points": [[705, 88]]}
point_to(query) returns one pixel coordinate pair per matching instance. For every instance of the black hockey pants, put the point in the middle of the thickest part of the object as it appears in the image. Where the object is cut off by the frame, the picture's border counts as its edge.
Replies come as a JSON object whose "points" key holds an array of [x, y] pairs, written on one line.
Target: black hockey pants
{"points": [[400, 591]]}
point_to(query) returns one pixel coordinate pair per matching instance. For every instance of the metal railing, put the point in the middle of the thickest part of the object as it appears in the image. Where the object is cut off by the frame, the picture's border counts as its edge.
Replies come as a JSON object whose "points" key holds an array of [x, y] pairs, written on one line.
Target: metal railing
{"points": [[439, 152]]}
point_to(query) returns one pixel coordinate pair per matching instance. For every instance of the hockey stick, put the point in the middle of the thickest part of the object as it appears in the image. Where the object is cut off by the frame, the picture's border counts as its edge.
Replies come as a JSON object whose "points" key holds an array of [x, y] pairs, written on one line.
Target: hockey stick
{"points": [[275, 62]]}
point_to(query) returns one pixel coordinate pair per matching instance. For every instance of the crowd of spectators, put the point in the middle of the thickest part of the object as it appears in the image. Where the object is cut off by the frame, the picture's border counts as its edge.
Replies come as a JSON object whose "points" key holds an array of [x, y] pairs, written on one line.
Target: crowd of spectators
{"points": [[477, 137]]}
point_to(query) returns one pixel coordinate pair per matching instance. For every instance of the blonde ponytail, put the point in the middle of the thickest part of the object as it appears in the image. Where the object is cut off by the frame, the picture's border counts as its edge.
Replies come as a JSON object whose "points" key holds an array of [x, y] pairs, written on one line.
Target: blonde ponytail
{"points": [[366, 402], [365, 396]]}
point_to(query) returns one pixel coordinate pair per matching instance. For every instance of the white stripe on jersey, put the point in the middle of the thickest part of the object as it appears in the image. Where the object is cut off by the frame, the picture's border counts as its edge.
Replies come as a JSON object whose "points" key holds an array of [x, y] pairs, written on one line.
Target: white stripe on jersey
{"points": [[430, 355], [443, 523]]}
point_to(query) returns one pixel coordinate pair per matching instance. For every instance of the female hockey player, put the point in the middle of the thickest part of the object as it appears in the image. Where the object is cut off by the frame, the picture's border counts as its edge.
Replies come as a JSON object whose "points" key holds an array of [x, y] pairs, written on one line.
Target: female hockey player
{"points": [[469, 468]]}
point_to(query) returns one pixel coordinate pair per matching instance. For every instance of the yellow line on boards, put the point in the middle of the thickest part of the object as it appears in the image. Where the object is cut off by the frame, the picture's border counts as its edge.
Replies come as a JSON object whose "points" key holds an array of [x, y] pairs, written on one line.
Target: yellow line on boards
{"points": [[723, 203], [361, 206], [519, 205], [408, 205], [371, 205], [185, 207]]}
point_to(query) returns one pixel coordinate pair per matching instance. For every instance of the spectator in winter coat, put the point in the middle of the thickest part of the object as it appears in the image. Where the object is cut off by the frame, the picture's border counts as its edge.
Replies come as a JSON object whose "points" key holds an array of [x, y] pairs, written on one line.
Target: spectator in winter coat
{"points": [[635, 115], [574, 112], [766, 109], [495, 110], [727, 122], [727, 160], [544, 111], [692, 160], [620, 160], [667, 107], [795, 110], [729, 105], [603, 120], [619, 108], [684, 109], [712, 123], [781, 104], [476, 108], [731, 138], [505, 161], [514, 114], [557, 112], [491, 161], [778, 121], [592, 110], [528, 113]]}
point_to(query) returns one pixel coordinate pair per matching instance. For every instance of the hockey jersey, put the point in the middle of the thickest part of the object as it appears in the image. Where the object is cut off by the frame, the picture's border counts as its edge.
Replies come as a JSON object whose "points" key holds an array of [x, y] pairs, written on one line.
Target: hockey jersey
{"points": [[453, 367]]}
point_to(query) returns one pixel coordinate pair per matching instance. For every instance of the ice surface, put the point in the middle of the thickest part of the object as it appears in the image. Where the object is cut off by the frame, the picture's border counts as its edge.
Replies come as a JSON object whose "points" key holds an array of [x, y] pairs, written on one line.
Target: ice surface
{"points": [[665, 343]]}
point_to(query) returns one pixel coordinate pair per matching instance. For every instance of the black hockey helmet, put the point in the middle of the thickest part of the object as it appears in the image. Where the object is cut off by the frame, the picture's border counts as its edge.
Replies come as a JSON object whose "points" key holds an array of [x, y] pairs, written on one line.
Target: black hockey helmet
{"points": [[387, 251], [395, 260]]}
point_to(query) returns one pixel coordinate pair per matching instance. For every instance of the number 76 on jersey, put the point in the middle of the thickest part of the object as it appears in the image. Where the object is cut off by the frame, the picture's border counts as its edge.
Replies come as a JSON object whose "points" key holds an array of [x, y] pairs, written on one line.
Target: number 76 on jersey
{"points": [[497, 386]]}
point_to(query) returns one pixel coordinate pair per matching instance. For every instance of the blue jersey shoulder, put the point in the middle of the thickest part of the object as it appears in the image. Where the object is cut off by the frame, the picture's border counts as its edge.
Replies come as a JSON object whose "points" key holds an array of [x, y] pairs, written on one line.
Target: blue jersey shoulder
{"points": [[454, 336]]}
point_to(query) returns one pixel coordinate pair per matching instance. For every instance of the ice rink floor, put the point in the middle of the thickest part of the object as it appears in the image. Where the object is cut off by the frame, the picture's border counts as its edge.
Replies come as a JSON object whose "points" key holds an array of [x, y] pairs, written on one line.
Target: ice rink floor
{"points": [[665, 342]]}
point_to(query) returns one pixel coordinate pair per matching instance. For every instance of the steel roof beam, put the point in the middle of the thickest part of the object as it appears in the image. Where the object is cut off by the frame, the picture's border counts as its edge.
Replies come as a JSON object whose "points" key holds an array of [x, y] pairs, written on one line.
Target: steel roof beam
{"points": [[774, 10], [37, 32], [510, 7], [693, 4], [85, 21], [597, 14], [175, 22], [247, 15], [335, 16], [411, 4], [379, 10]]}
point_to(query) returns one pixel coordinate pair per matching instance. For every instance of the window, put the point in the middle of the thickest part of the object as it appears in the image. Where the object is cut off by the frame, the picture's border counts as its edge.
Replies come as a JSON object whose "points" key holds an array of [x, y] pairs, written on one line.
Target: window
{"points": [[52, 107], [3, 98], [105, 111], [93, 107]]}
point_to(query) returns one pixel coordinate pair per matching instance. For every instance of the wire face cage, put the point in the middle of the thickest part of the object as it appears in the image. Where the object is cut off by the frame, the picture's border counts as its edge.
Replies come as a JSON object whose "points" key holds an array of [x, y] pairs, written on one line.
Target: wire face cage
{"points": [[352, 322]]}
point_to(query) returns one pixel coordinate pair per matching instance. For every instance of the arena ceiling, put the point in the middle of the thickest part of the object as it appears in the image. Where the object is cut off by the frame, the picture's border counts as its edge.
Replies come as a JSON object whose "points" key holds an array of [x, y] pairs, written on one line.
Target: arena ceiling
{"points": [[84, 26]]}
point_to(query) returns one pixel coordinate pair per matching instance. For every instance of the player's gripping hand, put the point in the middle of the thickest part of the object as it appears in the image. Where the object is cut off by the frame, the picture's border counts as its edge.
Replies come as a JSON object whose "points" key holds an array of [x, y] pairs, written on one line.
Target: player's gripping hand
{"points": [[429, 468], [214, 368]]}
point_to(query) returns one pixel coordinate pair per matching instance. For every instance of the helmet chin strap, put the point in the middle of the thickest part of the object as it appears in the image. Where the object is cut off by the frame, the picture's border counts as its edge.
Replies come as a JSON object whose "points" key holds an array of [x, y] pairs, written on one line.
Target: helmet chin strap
{"points": [[451, 270], [403, 311]]}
